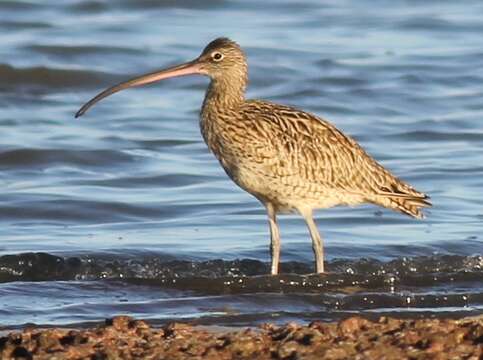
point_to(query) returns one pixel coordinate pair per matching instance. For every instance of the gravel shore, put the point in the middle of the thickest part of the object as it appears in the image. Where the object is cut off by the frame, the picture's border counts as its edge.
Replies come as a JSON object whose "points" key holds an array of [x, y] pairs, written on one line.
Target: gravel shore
{"points": [[352, 338]]}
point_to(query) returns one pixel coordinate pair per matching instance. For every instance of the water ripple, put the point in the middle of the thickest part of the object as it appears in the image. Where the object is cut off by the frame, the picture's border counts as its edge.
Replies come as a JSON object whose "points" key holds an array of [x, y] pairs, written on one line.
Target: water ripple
{"points": [[45, 77]]}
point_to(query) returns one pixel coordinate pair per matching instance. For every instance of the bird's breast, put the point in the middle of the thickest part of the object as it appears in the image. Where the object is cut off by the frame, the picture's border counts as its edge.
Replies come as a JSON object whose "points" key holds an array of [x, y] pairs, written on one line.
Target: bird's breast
{"points": [[218, 136]]}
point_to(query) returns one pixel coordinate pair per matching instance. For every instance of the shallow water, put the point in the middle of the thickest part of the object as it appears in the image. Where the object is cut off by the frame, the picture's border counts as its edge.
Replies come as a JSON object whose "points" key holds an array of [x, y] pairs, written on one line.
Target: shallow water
{"points": [[126, 211]]}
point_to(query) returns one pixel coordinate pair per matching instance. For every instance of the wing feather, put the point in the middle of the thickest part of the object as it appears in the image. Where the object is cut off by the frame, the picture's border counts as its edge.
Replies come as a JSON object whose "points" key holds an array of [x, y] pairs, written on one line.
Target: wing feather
{"points": [[296, 143]]}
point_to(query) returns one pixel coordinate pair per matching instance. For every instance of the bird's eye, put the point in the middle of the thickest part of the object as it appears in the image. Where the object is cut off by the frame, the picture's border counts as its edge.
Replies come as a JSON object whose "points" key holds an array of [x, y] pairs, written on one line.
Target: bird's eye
{"points": [[217, 56]]}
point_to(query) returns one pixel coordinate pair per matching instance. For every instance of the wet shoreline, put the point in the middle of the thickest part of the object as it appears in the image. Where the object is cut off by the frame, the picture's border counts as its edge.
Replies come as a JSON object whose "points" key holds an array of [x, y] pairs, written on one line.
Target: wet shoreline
{"points": [[384, 337], [164, 288]]}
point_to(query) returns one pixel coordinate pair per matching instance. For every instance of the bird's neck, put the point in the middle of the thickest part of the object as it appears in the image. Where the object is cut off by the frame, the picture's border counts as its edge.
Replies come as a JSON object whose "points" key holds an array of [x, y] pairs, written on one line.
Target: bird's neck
{"points": [[227, 93], [220, 107]]}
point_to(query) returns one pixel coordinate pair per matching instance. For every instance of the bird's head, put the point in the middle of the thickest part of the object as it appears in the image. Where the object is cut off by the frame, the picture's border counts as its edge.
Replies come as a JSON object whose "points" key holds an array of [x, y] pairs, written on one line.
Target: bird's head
{"points": [[222, 60]]}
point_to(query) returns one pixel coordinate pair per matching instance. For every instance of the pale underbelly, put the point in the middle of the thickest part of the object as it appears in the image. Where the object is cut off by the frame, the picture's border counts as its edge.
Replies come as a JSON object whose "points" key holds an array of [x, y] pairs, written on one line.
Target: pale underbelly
{"points": [[291, 193]]}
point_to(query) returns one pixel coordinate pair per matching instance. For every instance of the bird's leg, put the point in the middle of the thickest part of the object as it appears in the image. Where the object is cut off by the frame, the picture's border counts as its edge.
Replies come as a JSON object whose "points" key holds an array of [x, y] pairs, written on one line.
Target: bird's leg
{"points": [[316, 241], [274, 238]]}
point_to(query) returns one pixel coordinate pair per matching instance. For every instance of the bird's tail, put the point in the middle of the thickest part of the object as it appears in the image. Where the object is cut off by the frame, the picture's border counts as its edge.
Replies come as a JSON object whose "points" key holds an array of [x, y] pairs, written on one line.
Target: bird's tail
{"points": [[409, 205], [403, 198]]}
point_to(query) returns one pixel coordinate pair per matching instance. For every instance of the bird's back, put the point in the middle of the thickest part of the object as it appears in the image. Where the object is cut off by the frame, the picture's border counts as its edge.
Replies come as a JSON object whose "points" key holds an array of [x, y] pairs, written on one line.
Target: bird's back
{"points": [[282, 152]]}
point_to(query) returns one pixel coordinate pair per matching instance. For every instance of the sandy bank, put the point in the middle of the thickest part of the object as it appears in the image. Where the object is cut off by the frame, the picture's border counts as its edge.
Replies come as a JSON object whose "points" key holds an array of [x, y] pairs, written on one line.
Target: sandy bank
{"points": [[355, 337]]}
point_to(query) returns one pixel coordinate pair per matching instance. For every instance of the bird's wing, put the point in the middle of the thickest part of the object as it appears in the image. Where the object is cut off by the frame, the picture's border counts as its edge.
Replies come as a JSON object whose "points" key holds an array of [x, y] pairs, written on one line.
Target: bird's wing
{"points": [[289, 142]]}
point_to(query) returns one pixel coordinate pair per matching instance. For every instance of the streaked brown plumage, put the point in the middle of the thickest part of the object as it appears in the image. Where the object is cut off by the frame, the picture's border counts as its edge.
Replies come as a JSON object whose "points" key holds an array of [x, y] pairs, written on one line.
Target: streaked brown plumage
{"points": [[289, 159]]}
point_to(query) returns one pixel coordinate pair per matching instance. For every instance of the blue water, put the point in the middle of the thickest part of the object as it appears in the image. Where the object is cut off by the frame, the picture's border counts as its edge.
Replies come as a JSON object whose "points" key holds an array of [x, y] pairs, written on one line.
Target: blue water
{"points": [[128, 198]]}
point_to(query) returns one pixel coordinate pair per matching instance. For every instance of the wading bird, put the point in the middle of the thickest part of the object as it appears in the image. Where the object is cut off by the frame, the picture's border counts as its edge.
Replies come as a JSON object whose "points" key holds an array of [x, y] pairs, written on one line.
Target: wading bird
{"points": [[288, 159]]}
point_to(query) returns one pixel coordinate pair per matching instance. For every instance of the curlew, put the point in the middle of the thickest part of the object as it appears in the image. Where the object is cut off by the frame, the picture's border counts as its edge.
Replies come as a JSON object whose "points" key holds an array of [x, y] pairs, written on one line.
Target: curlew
{"points": [[290, 160]]}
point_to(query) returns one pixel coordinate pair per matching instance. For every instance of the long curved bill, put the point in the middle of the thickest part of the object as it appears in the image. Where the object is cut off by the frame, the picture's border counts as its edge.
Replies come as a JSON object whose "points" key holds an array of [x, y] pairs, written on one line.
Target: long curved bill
{"points": [[188, 68]]}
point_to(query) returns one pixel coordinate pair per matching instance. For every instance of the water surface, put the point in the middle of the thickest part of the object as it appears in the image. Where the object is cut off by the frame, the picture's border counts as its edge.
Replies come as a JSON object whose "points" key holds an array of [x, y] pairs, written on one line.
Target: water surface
{"points": [[125, 211]]}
